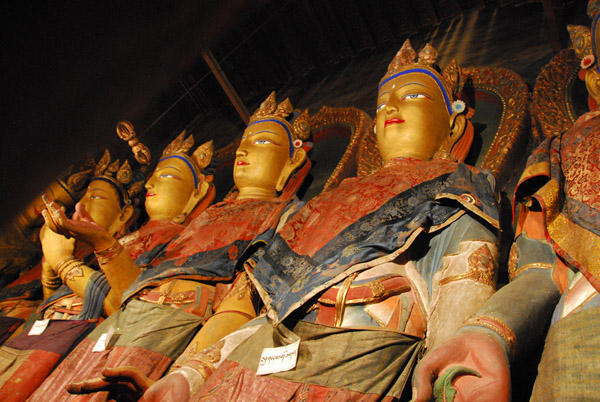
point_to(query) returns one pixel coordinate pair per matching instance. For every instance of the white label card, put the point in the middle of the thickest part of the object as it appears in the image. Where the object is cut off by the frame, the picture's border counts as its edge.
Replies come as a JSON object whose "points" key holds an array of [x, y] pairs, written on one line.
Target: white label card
{"points": [[277, 360], [103, 341], [38, 327]]}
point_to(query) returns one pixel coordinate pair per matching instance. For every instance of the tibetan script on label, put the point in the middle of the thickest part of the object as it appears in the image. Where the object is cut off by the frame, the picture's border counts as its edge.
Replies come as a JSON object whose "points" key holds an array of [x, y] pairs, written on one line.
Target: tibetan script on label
{"points": [[277, 360]]}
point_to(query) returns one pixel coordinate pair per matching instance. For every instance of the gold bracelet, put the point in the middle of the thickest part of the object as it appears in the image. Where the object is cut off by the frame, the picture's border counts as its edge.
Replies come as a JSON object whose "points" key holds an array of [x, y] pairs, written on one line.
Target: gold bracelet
{"points": [[71, 270], [110, 253], [62, 263], [52, 283], [108, 250], [499, 327]]}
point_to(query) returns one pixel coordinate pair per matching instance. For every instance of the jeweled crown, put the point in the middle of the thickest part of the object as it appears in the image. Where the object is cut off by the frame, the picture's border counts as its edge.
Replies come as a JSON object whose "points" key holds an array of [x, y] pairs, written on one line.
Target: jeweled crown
{"points": [[200, 158], [269, 109], [119, 176], [406, 58]]}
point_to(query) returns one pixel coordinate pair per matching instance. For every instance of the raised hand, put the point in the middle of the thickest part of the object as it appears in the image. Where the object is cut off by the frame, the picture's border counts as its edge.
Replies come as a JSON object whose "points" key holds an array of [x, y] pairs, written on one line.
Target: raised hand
{"points": [[466, 354], [124, 384], [82, 227]]}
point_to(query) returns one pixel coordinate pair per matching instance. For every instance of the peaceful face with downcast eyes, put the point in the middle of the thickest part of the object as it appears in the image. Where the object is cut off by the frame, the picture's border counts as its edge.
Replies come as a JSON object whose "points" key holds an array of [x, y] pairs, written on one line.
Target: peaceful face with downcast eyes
{"points": [[101, 201], [169, 188], [412, 117], [261, 156]]}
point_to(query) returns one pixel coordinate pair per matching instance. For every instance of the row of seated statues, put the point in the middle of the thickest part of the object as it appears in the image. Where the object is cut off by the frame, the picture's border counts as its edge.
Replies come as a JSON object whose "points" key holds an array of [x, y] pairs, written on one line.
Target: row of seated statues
{"points": [[382, 286]]}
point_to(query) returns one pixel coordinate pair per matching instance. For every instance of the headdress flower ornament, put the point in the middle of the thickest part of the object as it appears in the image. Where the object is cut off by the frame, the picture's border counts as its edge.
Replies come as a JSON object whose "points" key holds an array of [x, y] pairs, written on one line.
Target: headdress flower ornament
{"points": [[119, 177], [197, 162], [269, 110], [406, 62]]}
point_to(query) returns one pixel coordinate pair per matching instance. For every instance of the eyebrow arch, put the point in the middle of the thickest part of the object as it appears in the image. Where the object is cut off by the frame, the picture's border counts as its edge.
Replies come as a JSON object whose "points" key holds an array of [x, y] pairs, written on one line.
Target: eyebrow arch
{"points": [[414, 83], [98, 189], [263, 131], [168, 166]]}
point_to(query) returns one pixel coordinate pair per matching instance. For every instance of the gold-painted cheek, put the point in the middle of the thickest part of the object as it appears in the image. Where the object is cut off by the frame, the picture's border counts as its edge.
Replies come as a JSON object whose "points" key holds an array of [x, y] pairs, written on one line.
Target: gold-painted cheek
{"points": [[592, 83], [171, 194], [265, 161], [426, 120]]}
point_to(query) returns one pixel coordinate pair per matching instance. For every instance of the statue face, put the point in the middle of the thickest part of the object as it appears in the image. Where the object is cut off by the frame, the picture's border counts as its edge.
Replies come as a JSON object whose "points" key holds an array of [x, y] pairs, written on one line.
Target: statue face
{"points": [[412, 118], [33, 212], [261, 156], [169, 189], [101, 201]]}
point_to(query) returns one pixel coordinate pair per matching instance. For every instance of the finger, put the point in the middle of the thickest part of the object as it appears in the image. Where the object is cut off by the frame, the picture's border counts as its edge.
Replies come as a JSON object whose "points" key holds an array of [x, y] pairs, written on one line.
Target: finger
{"points": [[88, 386], [48, 220], [82, 214], [129, 374], [422, 381]]}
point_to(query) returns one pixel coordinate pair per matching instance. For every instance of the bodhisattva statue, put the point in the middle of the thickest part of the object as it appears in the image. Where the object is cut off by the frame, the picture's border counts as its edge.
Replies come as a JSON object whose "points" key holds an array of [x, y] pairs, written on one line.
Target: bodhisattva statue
{"points": [[555, 269], [364, 277], [19, 248], [21, 253], [186, 283], [74, 309]]}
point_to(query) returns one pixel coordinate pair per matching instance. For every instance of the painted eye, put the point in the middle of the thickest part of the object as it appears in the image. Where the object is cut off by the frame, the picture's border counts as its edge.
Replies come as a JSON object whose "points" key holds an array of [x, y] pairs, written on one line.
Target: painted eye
{"points": [[167, 176], [260, 142], [415, 96], [381, 107], [95, 197]]}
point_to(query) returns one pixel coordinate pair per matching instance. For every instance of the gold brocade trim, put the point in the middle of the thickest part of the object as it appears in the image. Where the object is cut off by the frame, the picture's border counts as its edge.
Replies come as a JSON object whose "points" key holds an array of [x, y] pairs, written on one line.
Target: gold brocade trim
{"points": [[481, 257], [340, 301], [513, 258], [537, 265], [581, 244], [475, 274], [537, 169], [471, 208], [549, 197]]}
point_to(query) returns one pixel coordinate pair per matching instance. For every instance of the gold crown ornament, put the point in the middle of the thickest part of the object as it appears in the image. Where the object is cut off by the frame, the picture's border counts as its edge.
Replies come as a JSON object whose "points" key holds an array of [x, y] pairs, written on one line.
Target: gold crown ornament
{"points": [[298, 131], [197, 162], [118, 176]]}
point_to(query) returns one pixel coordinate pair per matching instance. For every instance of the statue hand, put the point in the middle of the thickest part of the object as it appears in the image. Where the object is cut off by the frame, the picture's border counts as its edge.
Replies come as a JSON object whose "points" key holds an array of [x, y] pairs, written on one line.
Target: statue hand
{"points": [[81, 226], [56, 247], [124, 384], [171, 388], [466, 354]]}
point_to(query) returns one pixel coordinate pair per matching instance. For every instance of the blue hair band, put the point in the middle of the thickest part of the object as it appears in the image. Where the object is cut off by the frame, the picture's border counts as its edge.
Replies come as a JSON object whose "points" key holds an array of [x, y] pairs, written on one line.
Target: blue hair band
{"points": [[187, 162], [119, 191], [287, 130], [427, 72]]}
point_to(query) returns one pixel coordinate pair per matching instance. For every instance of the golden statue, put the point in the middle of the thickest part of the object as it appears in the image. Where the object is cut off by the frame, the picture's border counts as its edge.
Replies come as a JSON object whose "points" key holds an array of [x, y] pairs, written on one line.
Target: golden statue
{"points": [[553, 265], [19, 244], [363, 277], [74, 308], [186, 286]]}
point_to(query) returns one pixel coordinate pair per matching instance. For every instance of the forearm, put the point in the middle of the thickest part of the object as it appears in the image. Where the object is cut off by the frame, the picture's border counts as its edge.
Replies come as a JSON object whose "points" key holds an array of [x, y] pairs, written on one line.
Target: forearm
{"points": [[50, 281], [521, 309], [120, 270], [236, 309]]}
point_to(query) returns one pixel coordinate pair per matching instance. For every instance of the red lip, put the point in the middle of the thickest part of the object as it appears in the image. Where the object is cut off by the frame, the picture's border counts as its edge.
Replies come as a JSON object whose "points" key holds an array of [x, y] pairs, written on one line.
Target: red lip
{"points": [[393, 120], [150, 195], [241, 163]]}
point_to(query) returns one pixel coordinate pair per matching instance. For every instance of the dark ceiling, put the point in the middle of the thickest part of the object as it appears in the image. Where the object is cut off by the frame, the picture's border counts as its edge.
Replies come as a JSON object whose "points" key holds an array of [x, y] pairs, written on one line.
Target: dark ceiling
{"points": [[72, 69]]}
